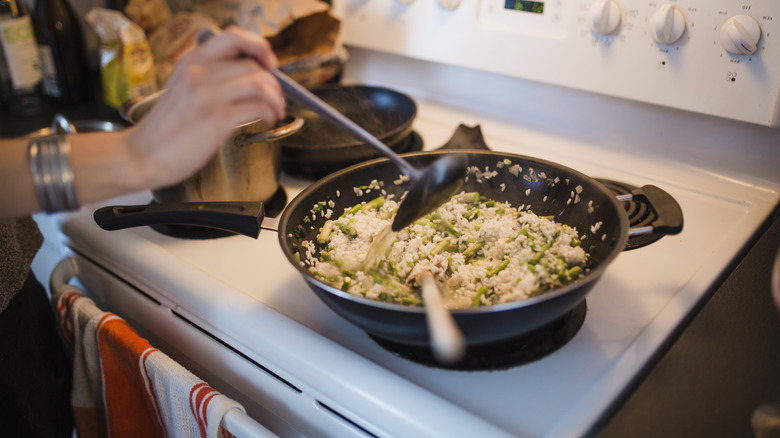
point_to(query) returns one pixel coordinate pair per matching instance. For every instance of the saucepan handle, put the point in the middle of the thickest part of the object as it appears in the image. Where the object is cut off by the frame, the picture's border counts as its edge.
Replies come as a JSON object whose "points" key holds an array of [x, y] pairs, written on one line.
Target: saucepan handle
{"points": [[237, 217], [283, 128], [669, 216]]}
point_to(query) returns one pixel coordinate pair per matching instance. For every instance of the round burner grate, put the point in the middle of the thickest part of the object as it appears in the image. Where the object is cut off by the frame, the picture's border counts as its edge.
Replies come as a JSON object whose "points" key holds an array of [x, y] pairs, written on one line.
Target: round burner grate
{"points": [[639, 213]]}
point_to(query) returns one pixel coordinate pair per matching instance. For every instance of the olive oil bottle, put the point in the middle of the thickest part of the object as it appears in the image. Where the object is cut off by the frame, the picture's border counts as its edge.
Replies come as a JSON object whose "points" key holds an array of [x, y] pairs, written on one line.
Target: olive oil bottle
{"points": [[21, 80]]}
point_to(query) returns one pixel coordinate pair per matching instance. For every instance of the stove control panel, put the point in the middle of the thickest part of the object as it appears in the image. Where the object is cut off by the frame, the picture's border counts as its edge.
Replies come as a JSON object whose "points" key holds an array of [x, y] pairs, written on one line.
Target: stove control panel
{"points": [[718, 58]]}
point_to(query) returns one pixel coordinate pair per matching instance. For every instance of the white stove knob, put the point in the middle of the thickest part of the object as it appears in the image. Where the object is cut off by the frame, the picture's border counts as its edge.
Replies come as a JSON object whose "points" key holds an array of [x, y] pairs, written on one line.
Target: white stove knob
{"points": [[449, 5], [740, 35], [605, 16], [667, 24]]}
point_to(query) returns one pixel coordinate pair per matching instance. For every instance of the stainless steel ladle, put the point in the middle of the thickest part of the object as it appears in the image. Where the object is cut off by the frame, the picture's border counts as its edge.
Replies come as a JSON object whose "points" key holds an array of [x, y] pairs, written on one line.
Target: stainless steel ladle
{"points": [[429, 187]]}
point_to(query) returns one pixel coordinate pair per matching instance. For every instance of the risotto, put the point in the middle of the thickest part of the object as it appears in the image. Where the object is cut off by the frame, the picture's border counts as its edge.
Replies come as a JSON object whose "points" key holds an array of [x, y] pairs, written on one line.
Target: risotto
{"points": [[480, 251]]}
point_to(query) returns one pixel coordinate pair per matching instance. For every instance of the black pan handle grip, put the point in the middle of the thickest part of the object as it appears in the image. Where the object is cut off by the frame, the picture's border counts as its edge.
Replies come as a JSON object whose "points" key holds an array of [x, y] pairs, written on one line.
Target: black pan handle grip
{"points": [[669, 216], [237, 217]]}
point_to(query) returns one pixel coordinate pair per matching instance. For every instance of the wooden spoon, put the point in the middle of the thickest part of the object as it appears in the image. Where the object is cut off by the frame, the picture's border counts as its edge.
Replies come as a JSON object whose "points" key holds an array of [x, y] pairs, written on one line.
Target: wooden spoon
{"points": [[447, 342]]}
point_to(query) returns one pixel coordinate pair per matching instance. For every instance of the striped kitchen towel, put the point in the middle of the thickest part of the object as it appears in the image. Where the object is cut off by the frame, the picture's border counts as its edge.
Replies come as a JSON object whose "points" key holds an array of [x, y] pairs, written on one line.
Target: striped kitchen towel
{"points": [[124, 387]]}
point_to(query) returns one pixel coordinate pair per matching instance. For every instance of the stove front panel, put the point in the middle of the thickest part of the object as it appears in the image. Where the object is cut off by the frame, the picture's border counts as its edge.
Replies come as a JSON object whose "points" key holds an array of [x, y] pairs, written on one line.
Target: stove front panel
{"points": [[613, 47]]}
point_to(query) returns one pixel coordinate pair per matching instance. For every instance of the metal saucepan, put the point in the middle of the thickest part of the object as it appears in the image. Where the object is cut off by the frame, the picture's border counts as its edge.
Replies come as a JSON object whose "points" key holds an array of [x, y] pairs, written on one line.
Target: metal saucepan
{"points": [[227, 194], [320, 147], [245, 168], [548, 188]]}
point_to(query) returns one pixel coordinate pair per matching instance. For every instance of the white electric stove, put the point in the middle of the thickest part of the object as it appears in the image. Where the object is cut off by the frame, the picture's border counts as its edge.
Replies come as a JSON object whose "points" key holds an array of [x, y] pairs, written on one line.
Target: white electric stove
{"points": [[544, 79]]}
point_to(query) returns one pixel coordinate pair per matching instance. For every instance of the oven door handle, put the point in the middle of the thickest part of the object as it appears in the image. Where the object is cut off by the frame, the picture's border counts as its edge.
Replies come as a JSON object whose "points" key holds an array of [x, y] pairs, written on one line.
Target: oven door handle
{"points": [[241, 425], [65, 270]]}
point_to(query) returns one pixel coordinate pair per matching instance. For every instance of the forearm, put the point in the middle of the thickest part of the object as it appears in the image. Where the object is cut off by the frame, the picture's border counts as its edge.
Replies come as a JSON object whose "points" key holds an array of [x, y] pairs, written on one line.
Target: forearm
{"points": [[17, 194], [102, 164]]}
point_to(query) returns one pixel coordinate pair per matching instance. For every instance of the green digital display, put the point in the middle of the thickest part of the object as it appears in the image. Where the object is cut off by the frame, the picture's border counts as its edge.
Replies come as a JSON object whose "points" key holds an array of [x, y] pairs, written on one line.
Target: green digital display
{"points": [[520, 5]]}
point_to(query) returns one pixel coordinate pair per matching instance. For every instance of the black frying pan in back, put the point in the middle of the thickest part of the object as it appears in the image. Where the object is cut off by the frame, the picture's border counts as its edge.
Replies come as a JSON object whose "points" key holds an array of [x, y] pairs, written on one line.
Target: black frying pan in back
{"points": [[320, 148]]}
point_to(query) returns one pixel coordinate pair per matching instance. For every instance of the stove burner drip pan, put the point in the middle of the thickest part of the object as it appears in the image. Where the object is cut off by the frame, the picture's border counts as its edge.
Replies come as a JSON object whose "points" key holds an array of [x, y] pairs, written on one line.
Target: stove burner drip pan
{"points": [[501, 355]]}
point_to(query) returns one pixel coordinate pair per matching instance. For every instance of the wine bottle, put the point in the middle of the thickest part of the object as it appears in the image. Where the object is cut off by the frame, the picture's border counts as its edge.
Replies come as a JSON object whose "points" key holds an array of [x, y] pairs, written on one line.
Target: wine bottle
{"points": [[22, 83], [66, 75], [5, 81]]}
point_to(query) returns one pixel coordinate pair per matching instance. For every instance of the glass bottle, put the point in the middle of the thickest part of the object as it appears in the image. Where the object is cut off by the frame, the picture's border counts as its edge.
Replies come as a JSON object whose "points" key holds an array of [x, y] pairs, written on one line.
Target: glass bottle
{"points": [[22, 82], [66, 74]]}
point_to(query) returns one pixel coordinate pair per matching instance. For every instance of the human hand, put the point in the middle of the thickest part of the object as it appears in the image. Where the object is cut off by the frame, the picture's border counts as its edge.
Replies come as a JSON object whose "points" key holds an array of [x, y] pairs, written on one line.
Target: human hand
{"points": [[214, 88]]}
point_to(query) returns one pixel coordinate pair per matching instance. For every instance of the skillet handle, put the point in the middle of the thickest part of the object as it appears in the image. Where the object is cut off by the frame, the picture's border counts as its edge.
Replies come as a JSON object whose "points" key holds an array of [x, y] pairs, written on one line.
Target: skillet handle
{"points": [[669, 216], [237, 217]]}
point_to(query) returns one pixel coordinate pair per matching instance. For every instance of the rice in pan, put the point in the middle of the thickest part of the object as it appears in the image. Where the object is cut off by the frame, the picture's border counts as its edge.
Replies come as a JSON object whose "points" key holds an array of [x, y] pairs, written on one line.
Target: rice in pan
{"points": [[480, 251]]}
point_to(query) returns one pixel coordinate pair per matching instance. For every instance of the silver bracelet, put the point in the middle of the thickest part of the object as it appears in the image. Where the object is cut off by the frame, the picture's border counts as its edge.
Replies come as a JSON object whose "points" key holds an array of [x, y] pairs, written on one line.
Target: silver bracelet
{"points": [[52, 173]]}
